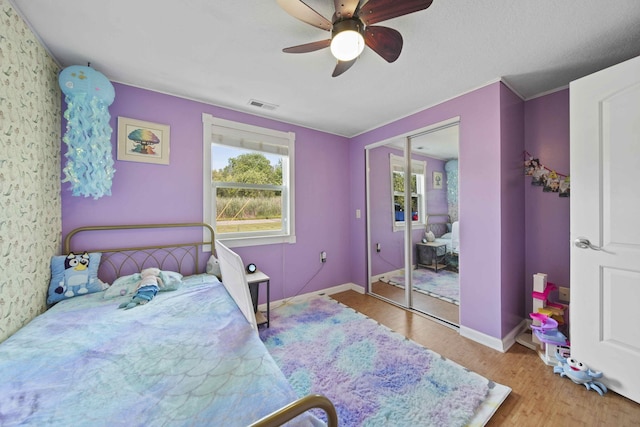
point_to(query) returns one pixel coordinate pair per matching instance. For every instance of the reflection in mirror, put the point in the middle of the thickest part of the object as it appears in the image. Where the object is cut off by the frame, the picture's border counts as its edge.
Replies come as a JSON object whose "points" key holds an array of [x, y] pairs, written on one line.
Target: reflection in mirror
{"points": [[435, 237], [386, 215]]}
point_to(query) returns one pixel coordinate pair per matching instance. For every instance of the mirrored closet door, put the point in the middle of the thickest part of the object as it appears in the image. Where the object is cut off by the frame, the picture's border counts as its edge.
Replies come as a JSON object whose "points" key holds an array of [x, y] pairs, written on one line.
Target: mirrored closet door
{"points": [[413, 227], [385, 213]]}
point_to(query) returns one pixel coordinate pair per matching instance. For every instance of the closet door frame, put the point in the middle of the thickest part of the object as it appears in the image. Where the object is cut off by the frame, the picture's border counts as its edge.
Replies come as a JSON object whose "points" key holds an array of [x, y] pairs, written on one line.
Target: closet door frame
{"points": [[407, 233]]}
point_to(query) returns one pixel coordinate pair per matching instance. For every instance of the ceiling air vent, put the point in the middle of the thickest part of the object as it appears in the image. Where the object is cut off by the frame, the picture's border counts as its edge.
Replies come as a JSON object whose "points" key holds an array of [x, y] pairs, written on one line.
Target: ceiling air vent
{"points": [[263, 105]]}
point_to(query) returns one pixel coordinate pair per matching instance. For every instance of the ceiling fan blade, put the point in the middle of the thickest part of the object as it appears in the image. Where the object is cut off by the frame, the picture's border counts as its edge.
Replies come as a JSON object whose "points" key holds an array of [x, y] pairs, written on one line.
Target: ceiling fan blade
{"points": [[300, 10], [380, 10], [384, 41], [345, 8], [342, 66], [308, 47]]}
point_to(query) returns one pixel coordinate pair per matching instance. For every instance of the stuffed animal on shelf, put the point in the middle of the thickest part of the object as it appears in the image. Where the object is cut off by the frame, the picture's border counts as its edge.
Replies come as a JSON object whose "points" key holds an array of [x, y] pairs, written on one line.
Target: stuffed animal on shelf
{"points": [[147, 288]]}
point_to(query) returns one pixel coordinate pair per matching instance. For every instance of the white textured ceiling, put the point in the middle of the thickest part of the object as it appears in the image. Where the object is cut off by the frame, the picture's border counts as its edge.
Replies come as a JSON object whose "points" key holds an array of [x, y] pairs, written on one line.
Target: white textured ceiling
{"points": [[229, 52]]}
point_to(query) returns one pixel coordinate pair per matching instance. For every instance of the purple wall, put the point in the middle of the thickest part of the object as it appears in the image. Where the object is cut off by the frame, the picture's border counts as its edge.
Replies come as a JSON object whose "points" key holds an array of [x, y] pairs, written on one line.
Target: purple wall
{"points": [[330, 187], [512, 204], [391, 257], [145, 193], [498, 259], [480, 196], [496, 202], [546, 214]]}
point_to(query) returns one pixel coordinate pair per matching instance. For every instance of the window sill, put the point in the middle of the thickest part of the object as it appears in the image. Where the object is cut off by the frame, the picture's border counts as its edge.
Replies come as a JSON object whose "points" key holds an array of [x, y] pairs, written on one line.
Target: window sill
{"points": [[414, 226], [240, 242]]}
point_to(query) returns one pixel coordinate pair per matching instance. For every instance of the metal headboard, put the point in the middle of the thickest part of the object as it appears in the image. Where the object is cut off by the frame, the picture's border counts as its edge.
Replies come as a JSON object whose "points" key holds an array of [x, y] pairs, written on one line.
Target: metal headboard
{"points": [[438, 227], [443, 215], [183, 257]]}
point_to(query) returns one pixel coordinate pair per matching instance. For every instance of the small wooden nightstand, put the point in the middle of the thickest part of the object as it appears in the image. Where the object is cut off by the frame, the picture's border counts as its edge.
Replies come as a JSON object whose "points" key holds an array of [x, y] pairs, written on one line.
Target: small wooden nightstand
{"points": [[254, 280]]}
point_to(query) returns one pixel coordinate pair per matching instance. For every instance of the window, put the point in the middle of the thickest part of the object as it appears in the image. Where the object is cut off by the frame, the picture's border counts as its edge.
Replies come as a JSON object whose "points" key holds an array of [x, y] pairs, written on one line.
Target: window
{"points": [[248, 182], [417, 182]]}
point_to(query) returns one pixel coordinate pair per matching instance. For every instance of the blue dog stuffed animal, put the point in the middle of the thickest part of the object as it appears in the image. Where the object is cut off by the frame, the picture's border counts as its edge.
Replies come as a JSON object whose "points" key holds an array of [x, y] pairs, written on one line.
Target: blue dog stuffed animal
{"points": [[148, 287]]}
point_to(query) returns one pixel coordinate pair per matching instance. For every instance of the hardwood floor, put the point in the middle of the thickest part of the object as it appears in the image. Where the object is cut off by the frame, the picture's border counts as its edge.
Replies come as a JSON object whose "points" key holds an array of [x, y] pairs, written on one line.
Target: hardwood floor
{"points": [[538, 398], [428, 304]]}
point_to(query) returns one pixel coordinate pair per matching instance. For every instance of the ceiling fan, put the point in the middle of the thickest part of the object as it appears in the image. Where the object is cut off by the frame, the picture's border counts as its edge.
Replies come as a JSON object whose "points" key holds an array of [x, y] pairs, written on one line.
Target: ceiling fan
{"points": [[352, 27]]}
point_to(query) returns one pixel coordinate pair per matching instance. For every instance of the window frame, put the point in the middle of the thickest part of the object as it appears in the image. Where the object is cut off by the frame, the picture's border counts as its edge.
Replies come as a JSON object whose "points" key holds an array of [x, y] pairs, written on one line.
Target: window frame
{"points": [[229, 128], [418, 168]]}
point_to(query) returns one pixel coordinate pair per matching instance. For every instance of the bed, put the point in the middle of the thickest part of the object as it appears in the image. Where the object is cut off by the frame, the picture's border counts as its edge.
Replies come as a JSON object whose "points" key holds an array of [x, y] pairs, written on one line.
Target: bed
{"points": [[451, 239], [190, 356], [445, 231]]}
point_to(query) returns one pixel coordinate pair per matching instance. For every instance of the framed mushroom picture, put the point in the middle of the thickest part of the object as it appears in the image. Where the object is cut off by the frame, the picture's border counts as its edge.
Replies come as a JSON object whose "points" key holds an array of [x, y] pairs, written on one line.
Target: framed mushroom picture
{"points": [[140, 141]]}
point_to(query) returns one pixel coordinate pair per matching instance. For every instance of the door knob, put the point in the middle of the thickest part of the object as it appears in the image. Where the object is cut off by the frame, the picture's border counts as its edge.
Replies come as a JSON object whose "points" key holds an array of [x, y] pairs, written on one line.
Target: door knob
{"points": [[584, 243]]}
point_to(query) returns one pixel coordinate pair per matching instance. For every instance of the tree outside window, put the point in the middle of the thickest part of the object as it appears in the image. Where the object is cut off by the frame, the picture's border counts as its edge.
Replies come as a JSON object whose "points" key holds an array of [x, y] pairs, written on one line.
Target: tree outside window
{"points": [[248, 184], [248, 193]]}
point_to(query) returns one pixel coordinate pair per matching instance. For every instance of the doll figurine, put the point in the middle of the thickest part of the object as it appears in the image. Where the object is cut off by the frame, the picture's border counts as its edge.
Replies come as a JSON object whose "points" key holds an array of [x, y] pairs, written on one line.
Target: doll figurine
{"points": [[146, 289]]}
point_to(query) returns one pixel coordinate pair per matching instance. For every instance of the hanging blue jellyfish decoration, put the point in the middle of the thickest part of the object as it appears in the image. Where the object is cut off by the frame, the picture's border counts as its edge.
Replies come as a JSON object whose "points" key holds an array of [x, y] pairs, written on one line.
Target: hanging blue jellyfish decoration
{"points": [[88, 95]]}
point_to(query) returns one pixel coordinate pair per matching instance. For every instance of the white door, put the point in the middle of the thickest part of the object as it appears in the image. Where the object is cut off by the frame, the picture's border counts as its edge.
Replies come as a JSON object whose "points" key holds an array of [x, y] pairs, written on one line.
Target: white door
{"points": [[605, 210]]}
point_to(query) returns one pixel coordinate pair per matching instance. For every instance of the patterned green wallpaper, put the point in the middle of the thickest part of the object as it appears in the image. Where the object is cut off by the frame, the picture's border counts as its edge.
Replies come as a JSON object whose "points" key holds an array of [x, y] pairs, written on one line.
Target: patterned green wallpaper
{"points": [[30, 209]]}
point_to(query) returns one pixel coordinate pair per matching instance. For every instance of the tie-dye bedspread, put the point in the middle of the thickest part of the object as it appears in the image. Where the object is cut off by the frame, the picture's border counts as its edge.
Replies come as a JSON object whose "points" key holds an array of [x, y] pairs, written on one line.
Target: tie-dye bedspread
{"points": [[188, 357]]}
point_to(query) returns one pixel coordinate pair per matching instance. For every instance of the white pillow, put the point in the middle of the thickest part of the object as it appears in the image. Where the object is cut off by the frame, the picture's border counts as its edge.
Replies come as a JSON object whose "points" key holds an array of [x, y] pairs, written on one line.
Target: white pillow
{"points": [[430, 236], [446, 236]]}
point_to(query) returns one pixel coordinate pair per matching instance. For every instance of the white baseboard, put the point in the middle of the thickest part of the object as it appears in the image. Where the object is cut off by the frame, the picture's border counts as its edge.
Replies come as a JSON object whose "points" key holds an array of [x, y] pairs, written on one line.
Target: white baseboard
{"points": [[502, 345], [510, 338], [303, 297]]}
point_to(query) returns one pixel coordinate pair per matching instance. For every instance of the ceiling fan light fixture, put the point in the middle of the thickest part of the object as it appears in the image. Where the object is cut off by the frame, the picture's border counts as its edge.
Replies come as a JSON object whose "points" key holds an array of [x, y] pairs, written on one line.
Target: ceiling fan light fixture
{"points": [[347, 41]]}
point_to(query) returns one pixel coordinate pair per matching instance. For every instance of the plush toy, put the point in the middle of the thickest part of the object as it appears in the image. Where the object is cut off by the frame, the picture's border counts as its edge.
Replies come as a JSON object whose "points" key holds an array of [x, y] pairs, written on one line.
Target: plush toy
{"points": [[213, 267], [579, 373], [76, 275], [149, 285], [72, 275]]}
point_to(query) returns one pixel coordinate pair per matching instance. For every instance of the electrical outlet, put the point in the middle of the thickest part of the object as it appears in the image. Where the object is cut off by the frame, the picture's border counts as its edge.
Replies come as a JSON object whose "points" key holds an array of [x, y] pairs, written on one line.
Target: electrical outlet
{"points": [[564, 294], [323, 256]]}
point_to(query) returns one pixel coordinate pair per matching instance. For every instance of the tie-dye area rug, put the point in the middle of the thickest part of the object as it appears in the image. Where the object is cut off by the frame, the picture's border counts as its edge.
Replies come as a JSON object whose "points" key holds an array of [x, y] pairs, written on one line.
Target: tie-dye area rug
{"points": [[443, 285], [374, 376]]}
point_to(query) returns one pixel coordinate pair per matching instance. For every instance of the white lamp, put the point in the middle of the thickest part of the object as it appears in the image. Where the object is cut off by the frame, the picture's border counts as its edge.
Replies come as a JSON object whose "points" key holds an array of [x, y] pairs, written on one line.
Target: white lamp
{"points": [[347, 41]]}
